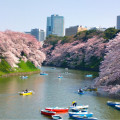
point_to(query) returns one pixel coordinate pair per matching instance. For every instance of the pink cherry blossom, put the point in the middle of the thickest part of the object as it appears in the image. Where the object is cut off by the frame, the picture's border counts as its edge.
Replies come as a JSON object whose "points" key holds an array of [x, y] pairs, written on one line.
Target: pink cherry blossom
{"points": [[12, 44]]}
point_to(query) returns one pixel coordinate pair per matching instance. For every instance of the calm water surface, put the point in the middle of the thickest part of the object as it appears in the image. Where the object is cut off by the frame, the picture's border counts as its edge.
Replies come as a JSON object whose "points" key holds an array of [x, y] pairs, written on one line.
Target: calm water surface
{"points": [[50, 91]]}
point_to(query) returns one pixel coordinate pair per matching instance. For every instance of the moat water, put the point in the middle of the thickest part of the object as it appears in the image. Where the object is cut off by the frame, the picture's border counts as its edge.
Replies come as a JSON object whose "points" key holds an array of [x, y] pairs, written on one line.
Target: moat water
{"points": [[50, 91]]}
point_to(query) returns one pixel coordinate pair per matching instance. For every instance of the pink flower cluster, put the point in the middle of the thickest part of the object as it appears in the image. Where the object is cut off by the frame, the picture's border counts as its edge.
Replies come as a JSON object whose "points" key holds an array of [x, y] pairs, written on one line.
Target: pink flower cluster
{"points": [[13, 44], [73, 53], [110, 68]]}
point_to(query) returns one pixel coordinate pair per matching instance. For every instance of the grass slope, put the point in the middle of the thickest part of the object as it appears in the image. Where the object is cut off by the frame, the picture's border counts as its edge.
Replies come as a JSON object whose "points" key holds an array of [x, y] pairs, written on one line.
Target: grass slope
{"points": [[5, 68]]}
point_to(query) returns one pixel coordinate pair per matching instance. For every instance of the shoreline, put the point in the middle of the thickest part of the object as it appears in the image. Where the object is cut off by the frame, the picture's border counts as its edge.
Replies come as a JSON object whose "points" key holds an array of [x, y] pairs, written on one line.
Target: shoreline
{"points": [[19, 73], [103, 93], [83, 69]]}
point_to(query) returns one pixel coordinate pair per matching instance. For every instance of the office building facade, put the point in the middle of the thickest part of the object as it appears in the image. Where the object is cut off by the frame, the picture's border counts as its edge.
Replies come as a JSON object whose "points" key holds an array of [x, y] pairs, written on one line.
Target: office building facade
{"points": [[118, 22], [74, 30], [37, 33], [55, 25], [41, 35]]}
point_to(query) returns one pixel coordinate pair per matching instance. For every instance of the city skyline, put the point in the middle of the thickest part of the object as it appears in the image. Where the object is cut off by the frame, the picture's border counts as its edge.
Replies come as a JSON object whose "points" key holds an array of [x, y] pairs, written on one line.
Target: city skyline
{"points": [[24, 15]]}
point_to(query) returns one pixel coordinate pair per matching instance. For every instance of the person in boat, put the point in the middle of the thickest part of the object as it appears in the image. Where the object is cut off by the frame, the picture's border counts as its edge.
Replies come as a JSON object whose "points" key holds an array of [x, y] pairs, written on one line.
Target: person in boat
{"points": [[26, 91], [74, 103], [80, 90]]}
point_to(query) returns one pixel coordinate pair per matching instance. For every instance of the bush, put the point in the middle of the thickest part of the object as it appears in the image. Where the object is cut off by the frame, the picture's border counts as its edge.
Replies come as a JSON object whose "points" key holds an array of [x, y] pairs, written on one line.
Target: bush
{"points": [[85, 35], [52, 39], [110, 33]]}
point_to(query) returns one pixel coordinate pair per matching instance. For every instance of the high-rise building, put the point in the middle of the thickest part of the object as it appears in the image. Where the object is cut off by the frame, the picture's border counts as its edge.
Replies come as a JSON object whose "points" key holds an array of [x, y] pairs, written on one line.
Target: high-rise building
{"points": [[41, 35], [38, 34], [35, 32], [55, 25], [118, 22], [74, 30]]}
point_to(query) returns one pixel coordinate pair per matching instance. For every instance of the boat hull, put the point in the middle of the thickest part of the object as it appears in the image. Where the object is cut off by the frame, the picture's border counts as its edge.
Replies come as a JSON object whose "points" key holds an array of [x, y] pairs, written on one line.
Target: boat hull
{"points": [[24, 77], [81, 114], [46, 112], [56, 117], [110, 103], [77, 110], [58, 109], [43, 74], [60, 77], [89, 75], [83, 118], [28, 93], [79, 107], [81, 93], [117, 107]]}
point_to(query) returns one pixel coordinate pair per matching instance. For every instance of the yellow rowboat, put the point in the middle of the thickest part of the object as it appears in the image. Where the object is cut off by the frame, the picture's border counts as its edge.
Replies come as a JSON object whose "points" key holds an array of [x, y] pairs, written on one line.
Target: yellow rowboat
{"points": [[26, 93]]}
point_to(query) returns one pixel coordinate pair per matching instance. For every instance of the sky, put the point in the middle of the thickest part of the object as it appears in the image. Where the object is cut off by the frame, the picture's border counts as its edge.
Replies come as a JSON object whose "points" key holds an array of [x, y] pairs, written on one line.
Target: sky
{"points": [[24, 15]]}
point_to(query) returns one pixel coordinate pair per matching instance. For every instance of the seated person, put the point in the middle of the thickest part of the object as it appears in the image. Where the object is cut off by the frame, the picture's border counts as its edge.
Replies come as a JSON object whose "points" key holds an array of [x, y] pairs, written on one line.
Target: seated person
{"points": [[74, 103], [80, 90], [26, 91]]}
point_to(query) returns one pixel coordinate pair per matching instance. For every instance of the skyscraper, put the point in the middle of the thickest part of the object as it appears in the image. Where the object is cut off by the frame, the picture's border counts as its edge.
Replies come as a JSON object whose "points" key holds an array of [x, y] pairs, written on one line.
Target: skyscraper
{"points": [[118, 22], [39, 34], [35, 32], [55, 25]]}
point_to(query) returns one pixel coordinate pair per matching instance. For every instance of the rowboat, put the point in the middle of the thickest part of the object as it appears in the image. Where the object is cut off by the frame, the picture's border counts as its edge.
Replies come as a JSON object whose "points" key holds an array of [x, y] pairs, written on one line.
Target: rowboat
{"points": [[43, 74], [80, 114], [117, 107], [57, 117], [88, 75], [60, 76], [57, 109], [24, 77], [47, 112], [26, 93], [79, 107], [83, 118], [77, 110], [110, 103]]}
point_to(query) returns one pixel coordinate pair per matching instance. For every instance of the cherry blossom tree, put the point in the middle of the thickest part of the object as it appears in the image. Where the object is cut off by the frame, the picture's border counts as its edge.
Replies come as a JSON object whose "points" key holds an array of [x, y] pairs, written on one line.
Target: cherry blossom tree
{"points": [[72, 54], [15, 46], [109, 75]]}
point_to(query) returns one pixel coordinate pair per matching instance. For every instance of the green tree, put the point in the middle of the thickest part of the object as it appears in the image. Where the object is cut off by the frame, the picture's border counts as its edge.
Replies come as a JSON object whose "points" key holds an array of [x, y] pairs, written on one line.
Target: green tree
{"points": [[110, 33]]}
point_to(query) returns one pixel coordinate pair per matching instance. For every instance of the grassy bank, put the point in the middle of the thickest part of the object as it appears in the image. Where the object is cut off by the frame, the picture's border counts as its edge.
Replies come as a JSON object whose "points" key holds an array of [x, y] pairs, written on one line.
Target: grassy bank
{"points": [[23, 67]]}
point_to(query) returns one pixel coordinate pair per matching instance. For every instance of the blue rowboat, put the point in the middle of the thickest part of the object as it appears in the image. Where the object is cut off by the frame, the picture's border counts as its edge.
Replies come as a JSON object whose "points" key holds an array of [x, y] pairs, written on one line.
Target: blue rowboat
{"points": [[24, 77], [110, 103], [83, 118], [43, 74], [88, 75], [57, 117], [60, 76], [81, 114], [117, 107]]}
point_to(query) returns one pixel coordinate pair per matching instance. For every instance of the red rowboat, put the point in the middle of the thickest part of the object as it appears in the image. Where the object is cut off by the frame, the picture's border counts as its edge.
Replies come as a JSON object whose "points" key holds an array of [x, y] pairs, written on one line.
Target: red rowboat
{"points": [[57, 109], [47, 112]]}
